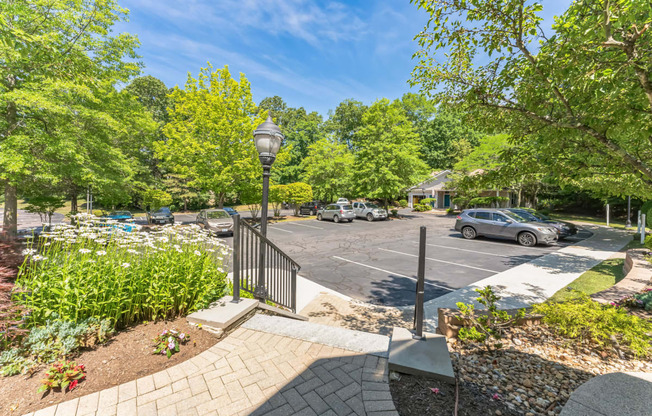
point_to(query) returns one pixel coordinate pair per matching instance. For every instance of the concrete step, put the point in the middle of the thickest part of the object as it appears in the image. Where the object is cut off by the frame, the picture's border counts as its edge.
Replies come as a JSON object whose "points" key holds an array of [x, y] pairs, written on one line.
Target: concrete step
{"points": [[347, 339], [427, 356], [223, 313]]}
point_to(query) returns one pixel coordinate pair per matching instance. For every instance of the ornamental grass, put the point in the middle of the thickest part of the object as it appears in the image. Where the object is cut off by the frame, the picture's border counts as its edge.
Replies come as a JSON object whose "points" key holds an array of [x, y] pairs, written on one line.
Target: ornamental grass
{"points": [[99, 270]]}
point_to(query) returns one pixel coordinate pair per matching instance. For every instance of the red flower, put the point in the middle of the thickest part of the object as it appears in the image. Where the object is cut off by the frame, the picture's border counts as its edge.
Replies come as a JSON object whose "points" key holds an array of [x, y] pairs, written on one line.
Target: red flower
{"points": [[72, 385]]}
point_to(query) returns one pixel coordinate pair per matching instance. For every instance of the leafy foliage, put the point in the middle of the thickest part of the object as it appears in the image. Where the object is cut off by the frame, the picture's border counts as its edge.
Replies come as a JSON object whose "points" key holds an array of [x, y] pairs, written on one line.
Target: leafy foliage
{"points": [[488, 326], [104, 272], [64, 375], [604, 325], [328, 168], [168, 342], [299, 193]]}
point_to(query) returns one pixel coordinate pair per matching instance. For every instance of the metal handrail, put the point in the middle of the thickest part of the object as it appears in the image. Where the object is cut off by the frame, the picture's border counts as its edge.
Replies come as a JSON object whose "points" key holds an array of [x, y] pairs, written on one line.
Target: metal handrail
{"points": [[268, 242]]}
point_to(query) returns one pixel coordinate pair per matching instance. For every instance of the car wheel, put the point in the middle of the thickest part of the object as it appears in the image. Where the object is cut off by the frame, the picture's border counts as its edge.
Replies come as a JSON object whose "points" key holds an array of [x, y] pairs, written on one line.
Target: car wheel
{"points": [[318, 217], [527, 239], [370, 217], [336, 218], [350, 220], [469, 233]]}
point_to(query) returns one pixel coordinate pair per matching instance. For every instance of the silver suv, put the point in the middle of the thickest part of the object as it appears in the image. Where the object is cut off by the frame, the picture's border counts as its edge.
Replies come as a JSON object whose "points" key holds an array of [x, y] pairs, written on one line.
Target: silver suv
{"points": [[336, 212], [503, 224], [369, 211]]}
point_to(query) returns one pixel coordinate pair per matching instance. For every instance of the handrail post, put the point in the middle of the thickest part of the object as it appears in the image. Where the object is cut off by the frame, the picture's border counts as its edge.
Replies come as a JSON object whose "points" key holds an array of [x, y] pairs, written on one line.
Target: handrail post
{"points": [[293, 290], [236, 258], [421, 271]]}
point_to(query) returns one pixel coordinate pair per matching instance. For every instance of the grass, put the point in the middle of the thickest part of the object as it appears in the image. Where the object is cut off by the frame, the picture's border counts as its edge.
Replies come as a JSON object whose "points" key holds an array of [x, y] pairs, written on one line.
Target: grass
{"points": [[592, 220], [600, 277]]}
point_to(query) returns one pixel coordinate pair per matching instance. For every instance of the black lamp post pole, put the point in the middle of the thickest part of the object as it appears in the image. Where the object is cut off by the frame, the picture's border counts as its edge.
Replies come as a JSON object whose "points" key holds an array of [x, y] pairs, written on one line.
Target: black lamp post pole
{"points": [[628, 224], [261, 292]]}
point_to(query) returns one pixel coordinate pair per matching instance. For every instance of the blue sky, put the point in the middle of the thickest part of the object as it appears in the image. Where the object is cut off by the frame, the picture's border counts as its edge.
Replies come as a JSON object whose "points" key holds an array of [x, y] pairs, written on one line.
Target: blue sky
{"points": [[314, 54]]}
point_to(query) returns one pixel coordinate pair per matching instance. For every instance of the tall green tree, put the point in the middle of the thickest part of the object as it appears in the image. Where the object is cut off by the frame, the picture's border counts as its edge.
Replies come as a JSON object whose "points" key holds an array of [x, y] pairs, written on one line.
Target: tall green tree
{"points": [[579, 93], [48, 48], [345, 121], [388, 160], [328, 169], [210, 133]]}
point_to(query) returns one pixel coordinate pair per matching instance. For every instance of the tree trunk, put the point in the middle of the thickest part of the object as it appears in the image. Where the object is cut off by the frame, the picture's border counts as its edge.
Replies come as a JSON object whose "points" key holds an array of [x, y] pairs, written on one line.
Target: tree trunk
{"points": [[73, 203], [185, 204], [220, 200], [520, 192], [10, 221]]}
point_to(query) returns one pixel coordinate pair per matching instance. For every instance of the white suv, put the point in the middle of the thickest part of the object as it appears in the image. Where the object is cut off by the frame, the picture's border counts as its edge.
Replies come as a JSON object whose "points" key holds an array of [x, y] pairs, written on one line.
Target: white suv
{"points": [[342, 201]]}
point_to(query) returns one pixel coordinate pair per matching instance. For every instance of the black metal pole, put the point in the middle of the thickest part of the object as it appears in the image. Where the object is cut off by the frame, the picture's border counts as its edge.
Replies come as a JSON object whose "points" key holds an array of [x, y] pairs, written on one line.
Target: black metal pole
{"points": [[421, 271], [629, 212], [260, 292], [236, 258]]}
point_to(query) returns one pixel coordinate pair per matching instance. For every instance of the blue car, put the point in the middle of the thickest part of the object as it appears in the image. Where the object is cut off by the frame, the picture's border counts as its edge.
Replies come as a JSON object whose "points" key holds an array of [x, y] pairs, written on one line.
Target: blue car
{"points": [[230, 211], [120, 216]]}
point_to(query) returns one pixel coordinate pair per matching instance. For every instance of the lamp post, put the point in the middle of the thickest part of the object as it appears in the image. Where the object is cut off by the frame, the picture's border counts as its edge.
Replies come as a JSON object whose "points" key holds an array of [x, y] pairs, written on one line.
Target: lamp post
{"points": [[628, 224], [268, 138]]}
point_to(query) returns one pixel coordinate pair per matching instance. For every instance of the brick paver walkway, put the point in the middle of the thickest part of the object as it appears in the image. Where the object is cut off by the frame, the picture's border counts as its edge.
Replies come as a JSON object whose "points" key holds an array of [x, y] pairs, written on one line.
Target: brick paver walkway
{"points": [[250, 373]]}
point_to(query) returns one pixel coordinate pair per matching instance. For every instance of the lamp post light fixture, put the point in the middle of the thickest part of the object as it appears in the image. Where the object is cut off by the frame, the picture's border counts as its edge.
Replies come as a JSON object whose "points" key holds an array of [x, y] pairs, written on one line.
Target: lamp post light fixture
{"points": [[268, 139]]}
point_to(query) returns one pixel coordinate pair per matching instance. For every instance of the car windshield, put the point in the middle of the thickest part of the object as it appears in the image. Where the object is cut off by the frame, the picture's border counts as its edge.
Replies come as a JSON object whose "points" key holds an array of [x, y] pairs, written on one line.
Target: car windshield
{"points": [[542, 216], [347, 207], [216, 215], [527, 215], [164, 211], [119, 213], [371, 205]]}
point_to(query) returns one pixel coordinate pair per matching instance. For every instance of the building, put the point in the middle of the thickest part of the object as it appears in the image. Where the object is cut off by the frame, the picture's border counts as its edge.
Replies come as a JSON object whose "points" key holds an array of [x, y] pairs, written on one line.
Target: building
{"points": [[437, 187]]}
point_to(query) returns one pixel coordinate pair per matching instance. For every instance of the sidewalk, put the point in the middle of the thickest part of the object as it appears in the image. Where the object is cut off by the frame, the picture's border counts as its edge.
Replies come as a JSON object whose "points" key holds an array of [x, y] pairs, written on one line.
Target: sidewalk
{"points": [[316, 370], [538, 280]]}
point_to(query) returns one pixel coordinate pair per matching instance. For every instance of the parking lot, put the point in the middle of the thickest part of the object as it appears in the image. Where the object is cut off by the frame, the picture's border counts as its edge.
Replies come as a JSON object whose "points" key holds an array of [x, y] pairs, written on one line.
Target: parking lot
{"points": [[377, 261]]}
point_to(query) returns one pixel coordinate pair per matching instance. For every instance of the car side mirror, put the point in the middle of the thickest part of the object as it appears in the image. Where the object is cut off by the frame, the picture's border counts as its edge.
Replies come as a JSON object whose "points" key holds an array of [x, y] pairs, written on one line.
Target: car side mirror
{"points": [[509, 221]]}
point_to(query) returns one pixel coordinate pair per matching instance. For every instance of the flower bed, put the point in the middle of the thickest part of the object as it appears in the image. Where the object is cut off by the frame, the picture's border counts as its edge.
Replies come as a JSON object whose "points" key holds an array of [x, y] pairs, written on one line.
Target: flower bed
{"points": [[74, 273]]}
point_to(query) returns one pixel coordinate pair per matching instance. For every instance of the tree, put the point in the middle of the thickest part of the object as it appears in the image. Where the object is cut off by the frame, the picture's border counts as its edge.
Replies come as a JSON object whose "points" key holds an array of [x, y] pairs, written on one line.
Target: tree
{"points": [[178, 186], [580, 93], [298, 193], [152, 93], [277, 195], [44, 206], [210, 133], [154, 199], [445, 139], [48, 48], [328, 169], [388, 160], [345, 121]]}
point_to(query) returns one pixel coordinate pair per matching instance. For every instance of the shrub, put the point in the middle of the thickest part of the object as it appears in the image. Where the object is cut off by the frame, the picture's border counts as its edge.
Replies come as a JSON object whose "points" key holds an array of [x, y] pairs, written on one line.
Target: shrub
{"points": [[105, 272], [422, 208], [428, 201], [484, 328], [585, 319], [403, 203], [169, 341], [450, 211], [394, 213], [487, 200], [639, 300], [64, 375], [54, 341]]}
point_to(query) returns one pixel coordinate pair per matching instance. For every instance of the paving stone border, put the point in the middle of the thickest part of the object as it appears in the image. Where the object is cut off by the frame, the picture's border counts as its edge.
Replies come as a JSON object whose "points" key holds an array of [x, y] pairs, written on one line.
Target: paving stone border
{"points": [[638, 276]]}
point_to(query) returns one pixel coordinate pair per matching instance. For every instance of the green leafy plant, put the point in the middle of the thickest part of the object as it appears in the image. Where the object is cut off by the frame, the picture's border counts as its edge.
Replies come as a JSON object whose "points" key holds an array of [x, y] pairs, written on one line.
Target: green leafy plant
{"points": [[403, 203], [54, 341], [394, 213], [428, 201], [98, 270], [169, 341], [603, 325], [64, 375], [422, 208], [489, 325], [487, 200]]}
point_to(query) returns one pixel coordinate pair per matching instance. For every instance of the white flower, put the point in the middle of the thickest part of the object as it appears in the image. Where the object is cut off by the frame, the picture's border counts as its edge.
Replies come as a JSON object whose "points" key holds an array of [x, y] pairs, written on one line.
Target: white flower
{"points": [[29, 252], [84, 250], [38, 257], [197, 253], [132, 251], [100, 253], [125, 265]]}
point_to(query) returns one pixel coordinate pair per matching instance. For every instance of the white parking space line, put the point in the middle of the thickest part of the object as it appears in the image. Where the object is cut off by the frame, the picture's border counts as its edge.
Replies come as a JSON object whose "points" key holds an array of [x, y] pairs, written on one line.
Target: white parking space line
{"points": [[338, 224], [496, 242], [440, 261], [392, 273], [303, 225], [471, 251], [281, 229]]}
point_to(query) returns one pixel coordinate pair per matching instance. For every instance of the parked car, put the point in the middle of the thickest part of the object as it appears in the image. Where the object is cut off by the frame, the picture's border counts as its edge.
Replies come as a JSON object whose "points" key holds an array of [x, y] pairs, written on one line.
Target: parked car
{"points": [[230, 211], [343, 201], [216, 221], [161, 216], [369, 211], [119, 216], [564, 229], [503, 224], [336, 212], [311, 208]]}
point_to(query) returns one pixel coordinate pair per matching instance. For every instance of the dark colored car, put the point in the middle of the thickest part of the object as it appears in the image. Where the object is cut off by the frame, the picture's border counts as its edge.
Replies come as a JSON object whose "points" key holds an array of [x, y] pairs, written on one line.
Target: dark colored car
{"points": [[161, 216], [564, 229], [230, 211], [311, 208], [120, 216]]}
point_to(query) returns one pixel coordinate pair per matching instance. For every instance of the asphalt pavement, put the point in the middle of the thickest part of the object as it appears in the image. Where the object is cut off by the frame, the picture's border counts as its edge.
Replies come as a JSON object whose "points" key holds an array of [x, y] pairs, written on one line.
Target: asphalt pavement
{"points": [[376, 262]]}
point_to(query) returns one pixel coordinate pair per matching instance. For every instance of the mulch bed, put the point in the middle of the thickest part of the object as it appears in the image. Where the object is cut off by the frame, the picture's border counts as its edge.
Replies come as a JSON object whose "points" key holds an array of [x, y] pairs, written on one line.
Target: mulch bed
{"points": [[413, 395], [125, 357]]}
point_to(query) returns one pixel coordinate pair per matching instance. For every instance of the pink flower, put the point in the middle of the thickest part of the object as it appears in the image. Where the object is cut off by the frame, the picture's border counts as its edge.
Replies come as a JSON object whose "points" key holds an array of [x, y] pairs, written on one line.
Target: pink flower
{"points": [[182, 335], [162, 352], [434, 390], [171, 345], [495, 396], [72, 385], [164, 332]]}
